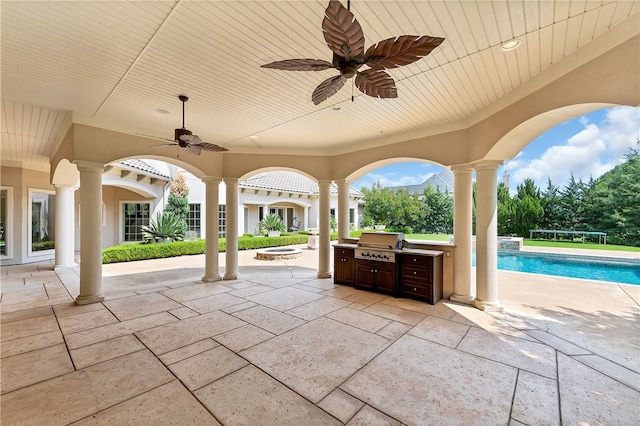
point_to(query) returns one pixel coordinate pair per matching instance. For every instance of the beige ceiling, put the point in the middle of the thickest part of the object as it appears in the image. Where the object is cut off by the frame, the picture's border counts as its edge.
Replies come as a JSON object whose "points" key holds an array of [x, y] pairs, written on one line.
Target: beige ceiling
{"points": [[119, 64]]}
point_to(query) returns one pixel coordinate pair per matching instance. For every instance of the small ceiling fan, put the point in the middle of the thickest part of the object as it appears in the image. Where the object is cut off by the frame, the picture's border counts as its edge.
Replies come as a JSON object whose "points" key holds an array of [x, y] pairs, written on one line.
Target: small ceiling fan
{"points": [[186, 140], [344, 36]]}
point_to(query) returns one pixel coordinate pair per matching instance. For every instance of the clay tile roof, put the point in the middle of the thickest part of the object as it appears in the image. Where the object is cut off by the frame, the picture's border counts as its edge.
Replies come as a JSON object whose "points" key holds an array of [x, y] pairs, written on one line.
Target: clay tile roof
{"points": [[286, 181], [141, 165]]}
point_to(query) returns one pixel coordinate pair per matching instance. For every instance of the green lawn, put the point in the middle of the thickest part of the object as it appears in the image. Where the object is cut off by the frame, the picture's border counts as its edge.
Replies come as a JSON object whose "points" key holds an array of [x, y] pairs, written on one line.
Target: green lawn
{"points": [[431, 237], [535, 243]]}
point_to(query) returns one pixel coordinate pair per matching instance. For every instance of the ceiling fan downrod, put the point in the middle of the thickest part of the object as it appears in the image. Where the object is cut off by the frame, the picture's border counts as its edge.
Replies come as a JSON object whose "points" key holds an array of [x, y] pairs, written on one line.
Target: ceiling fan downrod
{"points": [[184, 99]]}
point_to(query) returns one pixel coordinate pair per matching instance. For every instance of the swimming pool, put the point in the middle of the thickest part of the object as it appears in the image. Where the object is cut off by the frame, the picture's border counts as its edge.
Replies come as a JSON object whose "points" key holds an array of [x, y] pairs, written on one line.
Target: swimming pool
{"points": [[626, 271]]}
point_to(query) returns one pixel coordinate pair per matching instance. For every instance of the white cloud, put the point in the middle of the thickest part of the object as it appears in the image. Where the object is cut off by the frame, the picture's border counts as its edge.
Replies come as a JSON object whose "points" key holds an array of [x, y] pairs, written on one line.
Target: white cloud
{"points": [[591, 152]]}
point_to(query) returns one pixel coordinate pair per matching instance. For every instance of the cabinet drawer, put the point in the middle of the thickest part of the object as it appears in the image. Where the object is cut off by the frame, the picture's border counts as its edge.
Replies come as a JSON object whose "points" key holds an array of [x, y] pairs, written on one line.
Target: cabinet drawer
{"points": [[418, 289], [418, 272], [344, 252], [424, 261]]}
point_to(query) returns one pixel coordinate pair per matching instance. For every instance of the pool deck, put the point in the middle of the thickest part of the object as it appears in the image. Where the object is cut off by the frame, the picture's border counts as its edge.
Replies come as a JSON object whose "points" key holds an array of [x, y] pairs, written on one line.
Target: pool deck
{"points": [[279, 346]]}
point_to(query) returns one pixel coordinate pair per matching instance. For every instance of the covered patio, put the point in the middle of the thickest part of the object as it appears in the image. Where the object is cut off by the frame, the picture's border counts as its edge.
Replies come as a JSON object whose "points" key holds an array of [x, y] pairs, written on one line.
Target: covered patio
{"points": [[280, 346]]}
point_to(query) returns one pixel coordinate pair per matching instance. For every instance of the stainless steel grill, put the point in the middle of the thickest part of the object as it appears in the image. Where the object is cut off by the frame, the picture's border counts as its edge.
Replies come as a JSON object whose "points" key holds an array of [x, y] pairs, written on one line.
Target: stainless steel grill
{"points": [[379, 246]]}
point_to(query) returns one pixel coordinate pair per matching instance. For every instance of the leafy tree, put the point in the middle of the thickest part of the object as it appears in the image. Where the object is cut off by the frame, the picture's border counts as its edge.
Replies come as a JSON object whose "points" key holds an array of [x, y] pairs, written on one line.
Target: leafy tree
{"points": [[615, 202], [178, 203], [551, 204], [527, 208], [406, 209], [571, 208], [506, 210], [378, 203], [437, 212]]}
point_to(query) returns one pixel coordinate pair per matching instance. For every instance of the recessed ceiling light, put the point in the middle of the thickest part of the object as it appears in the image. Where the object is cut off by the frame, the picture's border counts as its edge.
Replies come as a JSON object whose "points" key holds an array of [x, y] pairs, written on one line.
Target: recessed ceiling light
{"points": [[162, 111], [253, 137], [510, 45], [336, 108]]}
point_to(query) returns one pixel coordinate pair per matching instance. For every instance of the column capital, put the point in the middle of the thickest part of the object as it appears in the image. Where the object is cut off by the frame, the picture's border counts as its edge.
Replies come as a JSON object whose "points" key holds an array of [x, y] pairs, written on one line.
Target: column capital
{"points": [[461, 168], [487, 164], [89, 165], [71, 187], [211, 179], [230, 181], [324, 182]]}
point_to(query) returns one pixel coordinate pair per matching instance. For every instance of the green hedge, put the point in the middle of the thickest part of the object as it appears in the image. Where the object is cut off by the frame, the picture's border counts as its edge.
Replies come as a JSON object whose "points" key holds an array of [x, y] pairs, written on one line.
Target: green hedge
{"points": [[143, 251]]}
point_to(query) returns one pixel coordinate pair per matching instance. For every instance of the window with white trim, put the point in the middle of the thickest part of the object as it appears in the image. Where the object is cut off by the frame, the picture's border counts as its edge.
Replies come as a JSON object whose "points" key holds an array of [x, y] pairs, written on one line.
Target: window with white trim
{"points": [[42, 205], [194, 218], [134, 215], [6, 222], [222, 221]]}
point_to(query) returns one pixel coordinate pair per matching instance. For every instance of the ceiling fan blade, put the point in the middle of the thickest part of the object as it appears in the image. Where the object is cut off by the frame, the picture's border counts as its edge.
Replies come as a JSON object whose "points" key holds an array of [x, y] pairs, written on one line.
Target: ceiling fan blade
{"points": [[209, 147], [376, 83], [342, 32], [190, 138], [327, 88], [154, 137], [191, 149], [399, 51], [162, 145], [299, 65]]}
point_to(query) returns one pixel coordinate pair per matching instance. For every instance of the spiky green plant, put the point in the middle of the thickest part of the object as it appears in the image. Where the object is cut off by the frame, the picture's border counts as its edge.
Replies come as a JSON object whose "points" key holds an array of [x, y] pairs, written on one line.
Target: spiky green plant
{"points": [[272, 222], [165, 226]]}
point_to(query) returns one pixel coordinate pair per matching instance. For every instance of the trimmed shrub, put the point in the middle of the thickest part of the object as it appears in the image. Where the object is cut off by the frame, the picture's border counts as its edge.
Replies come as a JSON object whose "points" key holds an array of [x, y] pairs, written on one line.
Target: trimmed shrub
{"points": [[143, 251], [130, 252]]}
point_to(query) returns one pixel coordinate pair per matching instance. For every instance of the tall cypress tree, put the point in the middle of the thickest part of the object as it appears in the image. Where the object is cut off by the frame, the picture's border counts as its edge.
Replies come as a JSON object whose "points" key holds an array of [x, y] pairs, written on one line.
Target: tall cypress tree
{"points": [[178, 203]]}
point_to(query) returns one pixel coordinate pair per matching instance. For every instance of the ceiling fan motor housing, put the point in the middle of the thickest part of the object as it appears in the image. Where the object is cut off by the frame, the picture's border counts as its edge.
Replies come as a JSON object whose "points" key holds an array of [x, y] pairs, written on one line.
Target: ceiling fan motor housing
{"points": [[181, 132]]}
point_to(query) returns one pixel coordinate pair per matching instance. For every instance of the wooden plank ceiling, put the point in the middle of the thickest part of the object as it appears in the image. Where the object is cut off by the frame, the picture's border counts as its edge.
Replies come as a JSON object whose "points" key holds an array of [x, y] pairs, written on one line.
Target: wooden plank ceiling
{"points": [[126, 62]]}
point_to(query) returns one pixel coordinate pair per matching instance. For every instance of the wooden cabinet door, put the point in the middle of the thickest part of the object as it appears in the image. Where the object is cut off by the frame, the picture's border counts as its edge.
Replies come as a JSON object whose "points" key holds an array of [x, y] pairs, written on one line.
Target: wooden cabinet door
{"points": [[386, 279], [365, 275]]}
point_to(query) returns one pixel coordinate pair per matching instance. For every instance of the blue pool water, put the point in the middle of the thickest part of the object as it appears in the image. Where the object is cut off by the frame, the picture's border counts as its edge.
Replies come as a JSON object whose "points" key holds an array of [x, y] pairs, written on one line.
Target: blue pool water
{"points": [[590, 268]]}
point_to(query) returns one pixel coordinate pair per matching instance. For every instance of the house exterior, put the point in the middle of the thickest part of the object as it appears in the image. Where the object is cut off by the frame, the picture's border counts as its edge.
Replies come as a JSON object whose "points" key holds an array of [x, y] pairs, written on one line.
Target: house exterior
{"points": [[134, 191]]}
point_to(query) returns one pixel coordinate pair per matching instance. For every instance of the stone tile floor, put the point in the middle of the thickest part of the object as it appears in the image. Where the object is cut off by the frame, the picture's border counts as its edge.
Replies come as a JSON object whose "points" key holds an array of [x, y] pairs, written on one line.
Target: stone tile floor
{"points": [[279, 346]]}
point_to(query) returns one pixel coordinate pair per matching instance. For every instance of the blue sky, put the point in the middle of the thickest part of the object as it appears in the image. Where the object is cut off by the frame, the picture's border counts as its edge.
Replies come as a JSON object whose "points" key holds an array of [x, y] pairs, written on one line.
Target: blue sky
{"points": [[587, 146]]}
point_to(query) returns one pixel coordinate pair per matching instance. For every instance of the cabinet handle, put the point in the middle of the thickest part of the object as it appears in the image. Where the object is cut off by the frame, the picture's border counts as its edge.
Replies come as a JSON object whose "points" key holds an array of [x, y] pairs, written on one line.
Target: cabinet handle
{"points": [[415, 260], [415, 289], [415, 273]]}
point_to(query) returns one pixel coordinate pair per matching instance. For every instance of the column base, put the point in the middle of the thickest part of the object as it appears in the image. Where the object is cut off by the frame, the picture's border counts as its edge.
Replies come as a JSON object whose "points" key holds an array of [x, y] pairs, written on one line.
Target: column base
{"points": [[230, 277], [86, 300], [467, 300], [323, 275], [211, 279], [488, 306], [65, 267]]}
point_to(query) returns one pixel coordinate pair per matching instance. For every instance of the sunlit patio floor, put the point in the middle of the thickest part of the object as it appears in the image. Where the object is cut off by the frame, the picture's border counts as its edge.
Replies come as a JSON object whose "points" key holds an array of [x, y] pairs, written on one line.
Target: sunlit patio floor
{"points": [[279, 346]]}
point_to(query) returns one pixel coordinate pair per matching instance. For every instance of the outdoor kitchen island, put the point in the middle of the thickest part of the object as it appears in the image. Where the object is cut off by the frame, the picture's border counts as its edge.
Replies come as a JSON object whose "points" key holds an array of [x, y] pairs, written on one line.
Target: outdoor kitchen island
{"points": [[384, 262]]}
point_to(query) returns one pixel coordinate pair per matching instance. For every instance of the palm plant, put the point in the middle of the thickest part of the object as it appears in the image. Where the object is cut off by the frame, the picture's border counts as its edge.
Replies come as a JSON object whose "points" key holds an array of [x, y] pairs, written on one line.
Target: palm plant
{"points": [[165, 226]]}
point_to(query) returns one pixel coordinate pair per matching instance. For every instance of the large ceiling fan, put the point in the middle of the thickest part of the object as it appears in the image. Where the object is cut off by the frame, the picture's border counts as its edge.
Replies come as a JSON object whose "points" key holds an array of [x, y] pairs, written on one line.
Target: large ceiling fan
{"points": [[186, 140], [344, 36]]}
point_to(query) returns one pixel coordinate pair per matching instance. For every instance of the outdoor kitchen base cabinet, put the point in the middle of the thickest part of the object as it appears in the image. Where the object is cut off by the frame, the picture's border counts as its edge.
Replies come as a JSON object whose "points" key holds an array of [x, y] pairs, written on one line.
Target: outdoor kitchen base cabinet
{"points": [[343, 266], [376, 276], [421, 277]]}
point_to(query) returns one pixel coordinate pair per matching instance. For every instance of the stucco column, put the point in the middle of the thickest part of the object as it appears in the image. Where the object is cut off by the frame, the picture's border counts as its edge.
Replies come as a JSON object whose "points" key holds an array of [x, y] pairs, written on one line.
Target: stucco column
{"points": [[487, 236], [211, 272], [462, 233], [343, 210], [324, 265], [305, 224], [64, 254], [90, 232], [231, 255]]}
